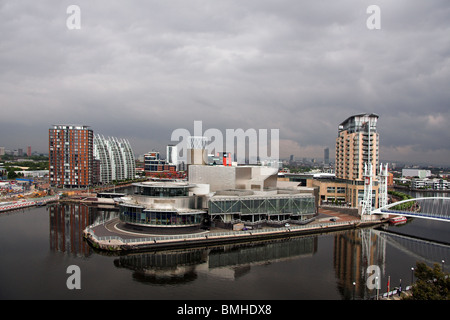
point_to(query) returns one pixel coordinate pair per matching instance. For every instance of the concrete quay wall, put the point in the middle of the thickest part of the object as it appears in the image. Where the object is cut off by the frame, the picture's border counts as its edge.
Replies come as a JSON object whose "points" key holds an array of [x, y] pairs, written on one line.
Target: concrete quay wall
{"points": [[167, 242]]}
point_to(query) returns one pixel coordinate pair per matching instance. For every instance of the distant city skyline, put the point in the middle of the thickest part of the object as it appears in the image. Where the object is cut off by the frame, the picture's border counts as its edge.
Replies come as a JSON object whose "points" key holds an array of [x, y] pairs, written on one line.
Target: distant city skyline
{"points": [[140, 71], [285, 156]]}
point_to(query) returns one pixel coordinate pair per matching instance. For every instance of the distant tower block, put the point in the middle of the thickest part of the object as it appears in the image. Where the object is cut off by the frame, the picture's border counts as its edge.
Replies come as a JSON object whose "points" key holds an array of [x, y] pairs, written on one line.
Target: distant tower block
{"points": [[172, 156], [196, 150], [326, 156]]}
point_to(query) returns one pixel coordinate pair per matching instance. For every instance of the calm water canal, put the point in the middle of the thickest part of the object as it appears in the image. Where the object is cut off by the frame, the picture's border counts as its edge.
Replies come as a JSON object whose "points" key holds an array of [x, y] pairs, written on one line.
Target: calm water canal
{"points": [[37, 245]]}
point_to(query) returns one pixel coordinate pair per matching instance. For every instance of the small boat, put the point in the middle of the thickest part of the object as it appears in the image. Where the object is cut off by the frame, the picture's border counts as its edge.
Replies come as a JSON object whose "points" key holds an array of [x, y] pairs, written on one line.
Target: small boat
{"points": [[398, 220]]}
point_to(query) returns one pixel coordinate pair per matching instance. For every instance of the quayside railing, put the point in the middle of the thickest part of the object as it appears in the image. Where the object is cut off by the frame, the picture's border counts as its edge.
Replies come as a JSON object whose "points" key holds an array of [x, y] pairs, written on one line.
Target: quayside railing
{"points": [[207, 235]]}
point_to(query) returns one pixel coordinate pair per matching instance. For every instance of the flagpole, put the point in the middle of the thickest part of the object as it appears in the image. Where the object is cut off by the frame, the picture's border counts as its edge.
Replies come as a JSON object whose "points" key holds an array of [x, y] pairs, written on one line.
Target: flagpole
{"points": [[388, 285]]}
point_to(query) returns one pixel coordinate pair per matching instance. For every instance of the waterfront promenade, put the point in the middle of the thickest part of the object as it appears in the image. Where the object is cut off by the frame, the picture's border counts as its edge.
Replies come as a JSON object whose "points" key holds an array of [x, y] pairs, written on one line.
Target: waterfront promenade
{"points": [[25, 203], [113, 235]]}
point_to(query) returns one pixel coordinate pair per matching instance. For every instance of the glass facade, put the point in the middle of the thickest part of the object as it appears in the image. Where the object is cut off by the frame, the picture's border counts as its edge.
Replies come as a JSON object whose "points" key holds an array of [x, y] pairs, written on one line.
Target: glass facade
{"points": [[162, 191], [169, 215], [278, 205], [158, 218]]}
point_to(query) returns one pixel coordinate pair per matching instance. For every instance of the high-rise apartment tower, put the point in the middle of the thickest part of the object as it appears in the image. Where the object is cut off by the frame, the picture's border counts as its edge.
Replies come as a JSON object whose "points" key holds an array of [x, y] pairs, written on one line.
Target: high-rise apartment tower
{"points": [[355, 148], [357, 158], [70, 156]]}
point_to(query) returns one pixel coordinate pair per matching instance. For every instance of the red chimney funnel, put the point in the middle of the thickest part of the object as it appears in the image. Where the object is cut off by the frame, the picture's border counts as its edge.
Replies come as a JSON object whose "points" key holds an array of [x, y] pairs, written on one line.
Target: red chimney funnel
{"points": [[224, 159]]}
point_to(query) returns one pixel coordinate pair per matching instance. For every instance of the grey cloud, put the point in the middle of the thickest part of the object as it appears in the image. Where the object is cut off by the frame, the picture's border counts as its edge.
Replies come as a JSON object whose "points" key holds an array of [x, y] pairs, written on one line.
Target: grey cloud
{"points": [[140, 69]]}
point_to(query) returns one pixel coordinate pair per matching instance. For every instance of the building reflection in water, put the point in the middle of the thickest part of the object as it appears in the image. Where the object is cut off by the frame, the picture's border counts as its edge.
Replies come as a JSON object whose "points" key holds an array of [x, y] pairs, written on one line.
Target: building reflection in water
{"points": [[228, 261], [354, 251], [167, 267], [67, 222]]}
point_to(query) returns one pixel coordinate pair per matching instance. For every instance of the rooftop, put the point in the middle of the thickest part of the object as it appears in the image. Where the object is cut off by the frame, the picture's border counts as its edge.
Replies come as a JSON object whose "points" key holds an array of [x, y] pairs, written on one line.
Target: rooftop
{"points": [[69, 126], [164, 184], [371, 115]]}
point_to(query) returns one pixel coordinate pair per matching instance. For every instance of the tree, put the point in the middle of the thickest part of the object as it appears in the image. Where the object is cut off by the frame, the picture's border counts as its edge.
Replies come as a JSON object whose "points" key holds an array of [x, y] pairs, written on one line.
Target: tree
{"points": [[431, 284], [11, 174]]}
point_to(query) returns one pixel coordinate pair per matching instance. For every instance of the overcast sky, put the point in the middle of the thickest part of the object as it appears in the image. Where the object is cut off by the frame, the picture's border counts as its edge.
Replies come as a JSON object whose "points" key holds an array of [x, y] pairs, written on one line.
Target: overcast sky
{"points": [[141, 69]]}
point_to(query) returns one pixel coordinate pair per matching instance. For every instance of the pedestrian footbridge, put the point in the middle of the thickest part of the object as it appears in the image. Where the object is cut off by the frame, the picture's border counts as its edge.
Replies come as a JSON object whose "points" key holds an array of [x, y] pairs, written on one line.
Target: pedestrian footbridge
{"points": [[423, 250], [434, 208]]}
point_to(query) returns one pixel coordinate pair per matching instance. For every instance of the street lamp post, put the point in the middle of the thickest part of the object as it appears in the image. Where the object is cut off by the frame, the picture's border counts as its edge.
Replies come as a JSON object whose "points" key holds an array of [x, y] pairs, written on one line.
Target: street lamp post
{"points": [[354, 284], [412, 276]]}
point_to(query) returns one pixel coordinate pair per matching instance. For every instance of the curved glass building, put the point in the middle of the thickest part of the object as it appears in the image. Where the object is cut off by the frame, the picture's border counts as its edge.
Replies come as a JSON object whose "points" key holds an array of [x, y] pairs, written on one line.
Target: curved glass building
{"points": [[161, 204], [116, 159]]}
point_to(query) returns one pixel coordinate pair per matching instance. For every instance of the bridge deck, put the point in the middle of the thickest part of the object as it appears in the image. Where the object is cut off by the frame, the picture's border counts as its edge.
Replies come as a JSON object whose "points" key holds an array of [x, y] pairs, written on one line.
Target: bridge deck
{"points": [[435, 208]]}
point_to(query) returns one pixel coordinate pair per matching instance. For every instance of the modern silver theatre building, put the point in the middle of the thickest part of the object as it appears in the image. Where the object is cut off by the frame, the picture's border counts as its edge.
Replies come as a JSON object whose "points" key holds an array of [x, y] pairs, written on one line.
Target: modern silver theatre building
{"points": [[221, 196], [250, 195], [162, 204], [234, 195]]}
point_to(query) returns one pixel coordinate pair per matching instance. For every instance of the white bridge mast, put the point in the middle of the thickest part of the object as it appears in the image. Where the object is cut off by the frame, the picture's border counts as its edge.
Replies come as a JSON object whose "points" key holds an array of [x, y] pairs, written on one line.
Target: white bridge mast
{"points": [[382, 191], [368, 180]]}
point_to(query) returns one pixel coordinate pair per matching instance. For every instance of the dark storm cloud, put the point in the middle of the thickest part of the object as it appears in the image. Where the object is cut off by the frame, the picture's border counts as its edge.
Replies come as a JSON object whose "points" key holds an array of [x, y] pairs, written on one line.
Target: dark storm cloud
{"points": [[140, 69]]}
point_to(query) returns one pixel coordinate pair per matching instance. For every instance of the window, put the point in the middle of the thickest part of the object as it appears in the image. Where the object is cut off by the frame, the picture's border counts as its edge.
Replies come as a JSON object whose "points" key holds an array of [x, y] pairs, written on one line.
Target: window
{"points": [[340, 190]]}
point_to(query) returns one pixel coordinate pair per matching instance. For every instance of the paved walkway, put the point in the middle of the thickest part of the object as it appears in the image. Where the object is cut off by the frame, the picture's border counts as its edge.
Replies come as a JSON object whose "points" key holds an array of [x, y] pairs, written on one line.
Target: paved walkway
{"points": [[115, 227], [155, 237], [326, 214]]}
